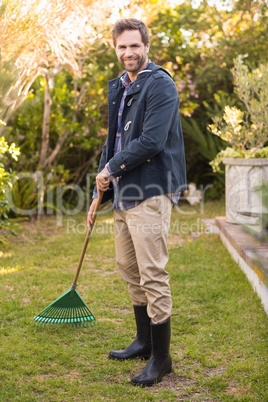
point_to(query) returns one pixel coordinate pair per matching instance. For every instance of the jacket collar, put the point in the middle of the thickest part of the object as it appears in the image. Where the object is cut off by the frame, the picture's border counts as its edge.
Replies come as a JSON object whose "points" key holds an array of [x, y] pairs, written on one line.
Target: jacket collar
{"points": [[116, 83]]}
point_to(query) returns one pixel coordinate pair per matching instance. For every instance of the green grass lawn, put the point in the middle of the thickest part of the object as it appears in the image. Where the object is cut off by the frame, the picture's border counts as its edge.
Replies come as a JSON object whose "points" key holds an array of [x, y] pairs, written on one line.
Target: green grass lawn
{"points": [[219, 328]]}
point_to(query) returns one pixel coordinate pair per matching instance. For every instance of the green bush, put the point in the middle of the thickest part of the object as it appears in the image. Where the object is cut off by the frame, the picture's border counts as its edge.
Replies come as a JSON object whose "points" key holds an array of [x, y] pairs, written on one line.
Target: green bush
{"points": [[34, 194], [6, 178], [245, 131]]}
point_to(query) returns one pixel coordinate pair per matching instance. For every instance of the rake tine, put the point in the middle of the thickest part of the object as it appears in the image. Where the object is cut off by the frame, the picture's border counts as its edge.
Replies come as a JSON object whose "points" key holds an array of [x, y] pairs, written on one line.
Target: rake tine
{"points": [[62, 315]]}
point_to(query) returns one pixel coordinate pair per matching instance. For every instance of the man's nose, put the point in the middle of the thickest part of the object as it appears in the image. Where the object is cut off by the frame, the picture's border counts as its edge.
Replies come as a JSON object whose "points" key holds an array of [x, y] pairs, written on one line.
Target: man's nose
{"points": [[128, 51]]}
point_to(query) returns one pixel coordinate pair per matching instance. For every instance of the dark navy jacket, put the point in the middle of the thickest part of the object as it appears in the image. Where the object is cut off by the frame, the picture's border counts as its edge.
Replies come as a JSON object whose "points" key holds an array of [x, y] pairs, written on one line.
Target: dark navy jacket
{"points": [[152, 159]]}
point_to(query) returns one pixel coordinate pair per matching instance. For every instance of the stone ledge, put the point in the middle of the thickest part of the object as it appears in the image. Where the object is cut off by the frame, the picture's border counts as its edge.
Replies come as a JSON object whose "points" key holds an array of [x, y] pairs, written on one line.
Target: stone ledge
{"points": [[249, 253]]}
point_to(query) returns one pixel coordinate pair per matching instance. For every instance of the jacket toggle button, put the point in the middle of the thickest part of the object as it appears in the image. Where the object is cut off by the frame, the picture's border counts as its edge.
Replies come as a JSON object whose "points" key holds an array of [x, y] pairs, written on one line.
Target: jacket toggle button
{"points": [[122, 166], [130, 101], [148, 160], [127, 125]]}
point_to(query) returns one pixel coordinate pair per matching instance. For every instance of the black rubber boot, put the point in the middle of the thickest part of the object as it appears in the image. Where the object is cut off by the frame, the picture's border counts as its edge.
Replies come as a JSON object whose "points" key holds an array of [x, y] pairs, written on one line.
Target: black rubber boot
{"points": [[141, 346], [160, 362]]}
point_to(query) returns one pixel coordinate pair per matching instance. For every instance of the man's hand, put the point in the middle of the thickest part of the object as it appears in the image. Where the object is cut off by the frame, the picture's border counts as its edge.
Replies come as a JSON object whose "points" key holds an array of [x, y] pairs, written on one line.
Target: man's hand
{"points": [[103, 181]]}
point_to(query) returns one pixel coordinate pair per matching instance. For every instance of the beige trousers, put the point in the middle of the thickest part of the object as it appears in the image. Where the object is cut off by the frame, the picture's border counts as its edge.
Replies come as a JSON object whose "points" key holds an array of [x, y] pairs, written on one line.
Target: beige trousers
{"points": [[141, 254]]}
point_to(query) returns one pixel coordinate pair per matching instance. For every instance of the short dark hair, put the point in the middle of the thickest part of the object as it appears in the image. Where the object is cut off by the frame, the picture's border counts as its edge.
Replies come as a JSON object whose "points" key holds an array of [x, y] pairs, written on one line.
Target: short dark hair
{"points": [[129, 24]]}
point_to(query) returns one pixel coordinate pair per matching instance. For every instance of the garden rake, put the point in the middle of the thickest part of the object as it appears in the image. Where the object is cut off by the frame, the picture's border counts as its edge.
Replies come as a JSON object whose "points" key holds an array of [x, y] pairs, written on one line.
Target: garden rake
{"points": [[70, 308]]}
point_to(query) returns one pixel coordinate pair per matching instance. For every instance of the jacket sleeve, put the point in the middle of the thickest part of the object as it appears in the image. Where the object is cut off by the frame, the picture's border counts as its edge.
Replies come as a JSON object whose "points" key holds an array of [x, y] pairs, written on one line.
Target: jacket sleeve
{"points": [[162, 101], [103, 158]]}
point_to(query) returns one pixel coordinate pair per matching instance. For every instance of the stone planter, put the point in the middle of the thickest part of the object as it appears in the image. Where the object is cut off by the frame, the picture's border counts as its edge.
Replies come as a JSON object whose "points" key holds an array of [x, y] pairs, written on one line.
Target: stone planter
{"points": [[243, 179]]}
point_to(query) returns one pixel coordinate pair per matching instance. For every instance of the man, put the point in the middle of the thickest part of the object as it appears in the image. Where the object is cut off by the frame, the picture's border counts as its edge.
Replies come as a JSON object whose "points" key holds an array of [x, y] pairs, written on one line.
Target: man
{"points": [[142, 168]]}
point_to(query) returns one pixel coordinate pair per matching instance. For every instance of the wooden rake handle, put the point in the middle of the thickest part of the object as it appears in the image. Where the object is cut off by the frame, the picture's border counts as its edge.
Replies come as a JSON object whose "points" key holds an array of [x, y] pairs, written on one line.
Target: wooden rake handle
{"points": [[89, 231]]}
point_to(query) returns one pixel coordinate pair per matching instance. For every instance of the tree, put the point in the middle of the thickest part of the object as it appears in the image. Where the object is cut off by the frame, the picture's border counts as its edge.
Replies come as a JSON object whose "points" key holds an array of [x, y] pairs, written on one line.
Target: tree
{"points": [[16, 33]]}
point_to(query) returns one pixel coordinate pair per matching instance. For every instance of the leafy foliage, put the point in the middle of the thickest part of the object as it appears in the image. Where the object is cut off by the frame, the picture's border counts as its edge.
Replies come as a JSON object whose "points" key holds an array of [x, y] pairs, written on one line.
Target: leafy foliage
{"points": [[245, 131], [36, 193], [237, 153], [5, 184], [78, 114]]}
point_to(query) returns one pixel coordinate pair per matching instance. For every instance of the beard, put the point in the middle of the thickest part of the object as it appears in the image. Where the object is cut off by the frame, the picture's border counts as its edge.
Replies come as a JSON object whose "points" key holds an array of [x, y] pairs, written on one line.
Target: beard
{"points": [[134, 64]]}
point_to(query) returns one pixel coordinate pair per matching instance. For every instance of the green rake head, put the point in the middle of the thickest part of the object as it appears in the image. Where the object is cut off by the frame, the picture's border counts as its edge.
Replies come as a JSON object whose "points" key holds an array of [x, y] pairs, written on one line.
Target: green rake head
{"points": [[69, 308]]}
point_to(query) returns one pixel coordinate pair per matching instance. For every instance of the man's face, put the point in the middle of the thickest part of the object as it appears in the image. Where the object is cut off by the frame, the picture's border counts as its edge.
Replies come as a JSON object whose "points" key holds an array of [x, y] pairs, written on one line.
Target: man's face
{"points": [[131, 52]]}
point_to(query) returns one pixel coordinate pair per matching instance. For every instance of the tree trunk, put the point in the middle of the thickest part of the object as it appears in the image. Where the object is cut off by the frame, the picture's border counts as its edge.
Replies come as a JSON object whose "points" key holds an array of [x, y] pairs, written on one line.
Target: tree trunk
{"points": [[50, 160], [46, 123]]}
